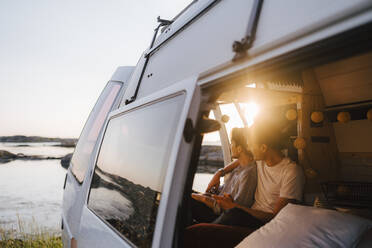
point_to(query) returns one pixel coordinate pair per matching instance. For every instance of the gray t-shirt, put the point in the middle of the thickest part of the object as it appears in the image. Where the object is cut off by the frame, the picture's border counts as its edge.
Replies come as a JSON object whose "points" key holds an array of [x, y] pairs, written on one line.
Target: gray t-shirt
{"points": [[241, 184]]}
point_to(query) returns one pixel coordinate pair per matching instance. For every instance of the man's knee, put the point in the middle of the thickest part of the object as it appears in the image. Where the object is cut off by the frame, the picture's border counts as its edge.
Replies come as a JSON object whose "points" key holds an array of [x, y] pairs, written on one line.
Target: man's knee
{"points": [[234, 211], [230, 217], [238, 217]]}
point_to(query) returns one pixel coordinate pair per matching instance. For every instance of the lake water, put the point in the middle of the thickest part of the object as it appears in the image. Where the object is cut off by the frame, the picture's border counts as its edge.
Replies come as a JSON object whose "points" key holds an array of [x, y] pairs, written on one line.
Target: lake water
{"points": [[31, 191]]}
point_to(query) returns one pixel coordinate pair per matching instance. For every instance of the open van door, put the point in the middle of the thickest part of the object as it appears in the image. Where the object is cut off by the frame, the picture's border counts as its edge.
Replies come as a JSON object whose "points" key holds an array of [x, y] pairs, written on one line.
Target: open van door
{"points": [[140, 170]]}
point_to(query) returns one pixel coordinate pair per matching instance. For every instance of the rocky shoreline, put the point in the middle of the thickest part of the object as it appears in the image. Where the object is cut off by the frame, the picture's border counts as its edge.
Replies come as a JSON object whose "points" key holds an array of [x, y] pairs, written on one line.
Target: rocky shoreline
{"points": [[210, 159], [22, 138], [68, 142], [6, 157]]}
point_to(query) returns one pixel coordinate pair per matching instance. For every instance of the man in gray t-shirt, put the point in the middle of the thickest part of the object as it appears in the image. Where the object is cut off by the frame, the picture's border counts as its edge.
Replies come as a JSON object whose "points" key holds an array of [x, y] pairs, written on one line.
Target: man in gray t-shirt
{"points": [[240, 181]]}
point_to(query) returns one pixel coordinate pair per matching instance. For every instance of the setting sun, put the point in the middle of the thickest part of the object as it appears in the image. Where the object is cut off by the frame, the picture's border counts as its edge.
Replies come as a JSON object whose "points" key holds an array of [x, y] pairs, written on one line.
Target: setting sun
{"points": [[250, 111]]}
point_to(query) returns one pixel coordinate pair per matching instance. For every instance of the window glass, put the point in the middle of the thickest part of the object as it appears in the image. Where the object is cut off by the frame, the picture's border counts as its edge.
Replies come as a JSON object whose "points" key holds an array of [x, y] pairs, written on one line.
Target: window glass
{"points": [[249, 111], [234, 118], [92, 128], [131, 166], [211, 154], [210, 159]]}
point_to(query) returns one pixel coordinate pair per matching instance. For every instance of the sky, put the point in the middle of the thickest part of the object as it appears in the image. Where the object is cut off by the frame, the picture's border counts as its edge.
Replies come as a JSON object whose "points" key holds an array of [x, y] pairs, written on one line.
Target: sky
{"points": [[56, 57]]}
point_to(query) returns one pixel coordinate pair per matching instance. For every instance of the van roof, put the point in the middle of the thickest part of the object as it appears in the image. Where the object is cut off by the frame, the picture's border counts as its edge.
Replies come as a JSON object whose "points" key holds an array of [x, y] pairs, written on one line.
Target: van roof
{"points": [[199, 41]]}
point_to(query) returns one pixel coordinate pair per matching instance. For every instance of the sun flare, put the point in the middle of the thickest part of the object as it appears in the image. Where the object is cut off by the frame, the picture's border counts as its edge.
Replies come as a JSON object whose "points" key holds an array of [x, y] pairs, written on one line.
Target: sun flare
{"points": [[250, 111]]}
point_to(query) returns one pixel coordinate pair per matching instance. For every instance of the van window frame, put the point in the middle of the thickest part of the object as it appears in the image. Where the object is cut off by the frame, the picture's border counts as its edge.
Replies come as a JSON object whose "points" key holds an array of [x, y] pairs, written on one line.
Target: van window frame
{"points": [[115, 105], [117, 115]]}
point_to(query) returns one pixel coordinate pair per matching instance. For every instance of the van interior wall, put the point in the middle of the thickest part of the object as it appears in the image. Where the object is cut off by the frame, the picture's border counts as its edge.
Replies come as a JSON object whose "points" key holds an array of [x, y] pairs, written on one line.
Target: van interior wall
{"points": [[320, 156], [349, 81], [346, 81], [354, 144]]}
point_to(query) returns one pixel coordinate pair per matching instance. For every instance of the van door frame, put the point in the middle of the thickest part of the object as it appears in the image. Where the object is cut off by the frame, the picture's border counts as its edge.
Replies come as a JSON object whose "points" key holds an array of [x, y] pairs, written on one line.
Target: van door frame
{"points": [[175, 177], [174, 180]]}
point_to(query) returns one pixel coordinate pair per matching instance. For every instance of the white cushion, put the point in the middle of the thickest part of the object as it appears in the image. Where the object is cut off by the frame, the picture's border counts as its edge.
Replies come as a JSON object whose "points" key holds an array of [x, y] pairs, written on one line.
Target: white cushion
{"points": [[301, 226]]}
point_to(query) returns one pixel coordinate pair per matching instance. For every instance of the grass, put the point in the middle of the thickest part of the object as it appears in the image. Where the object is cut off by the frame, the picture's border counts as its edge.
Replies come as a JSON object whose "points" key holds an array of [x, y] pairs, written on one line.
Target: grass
{"points": [[36, 237], [32, 242]]}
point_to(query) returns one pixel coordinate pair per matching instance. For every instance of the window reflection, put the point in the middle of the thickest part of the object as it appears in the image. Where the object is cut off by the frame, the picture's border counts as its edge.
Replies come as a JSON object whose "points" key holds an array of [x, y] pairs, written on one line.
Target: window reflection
{"points": [[129, 174], [84, 148]]}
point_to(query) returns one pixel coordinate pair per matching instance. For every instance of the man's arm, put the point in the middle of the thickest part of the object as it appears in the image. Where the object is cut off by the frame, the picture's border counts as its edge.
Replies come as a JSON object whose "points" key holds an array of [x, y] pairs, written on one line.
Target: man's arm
{"points": [[226, 203], [215, 182], [265, 216]]}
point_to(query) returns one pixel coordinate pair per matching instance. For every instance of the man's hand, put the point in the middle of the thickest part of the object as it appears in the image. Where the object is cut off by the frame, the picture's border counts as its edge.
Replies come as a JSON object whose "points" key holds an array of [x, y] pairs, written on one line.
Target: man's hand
{"points": [[206, 199], [226, 202], [215, 182]]}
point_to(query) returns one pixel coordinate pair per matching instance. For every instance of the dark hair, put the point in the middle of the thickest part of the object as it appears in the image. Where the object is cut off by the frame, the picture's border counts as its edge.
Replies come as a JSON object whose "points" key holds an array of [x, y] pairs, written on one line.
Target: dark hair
{"points": [[239, 136], [269, 133]]}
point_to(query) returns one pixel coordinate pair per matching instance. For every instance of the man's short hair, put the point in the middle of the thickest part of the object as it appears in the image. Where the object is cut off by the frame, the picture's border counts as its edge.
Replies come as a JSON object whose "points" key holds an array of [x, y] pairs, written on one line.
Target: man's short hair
{"points": [[267, 132], [239, 136]]}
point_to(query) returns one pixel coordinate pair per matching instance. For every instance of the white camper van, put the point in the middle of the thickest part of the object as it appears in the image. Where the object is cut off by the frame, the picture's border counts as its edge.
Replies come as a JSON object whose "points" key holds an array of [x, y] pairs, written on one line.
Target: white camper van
{"points": [[137, 159]]}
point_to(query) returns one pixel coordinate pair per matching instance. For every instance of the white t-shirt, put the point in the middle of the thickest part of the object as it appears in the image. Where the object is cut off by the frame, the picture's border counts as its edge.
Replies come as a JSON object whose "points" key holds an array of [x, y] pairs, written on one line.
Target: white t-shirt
{"points": [[286, 179]]}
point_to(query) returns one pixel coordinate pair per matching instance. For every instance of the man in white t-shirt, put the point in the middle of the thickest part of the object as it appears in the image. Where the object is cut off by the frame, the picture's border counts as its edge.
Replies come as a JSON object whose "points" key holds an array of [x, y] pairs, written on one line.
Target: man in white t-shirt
{"points": [[279, 181]]}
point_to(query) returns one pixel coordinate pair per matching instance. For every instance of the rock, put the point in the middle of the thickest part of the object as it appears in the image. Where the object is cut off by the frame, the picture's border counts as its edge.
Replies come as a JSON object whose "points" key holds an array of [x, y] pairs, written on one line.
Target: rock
{"points": [[65, 161], [20, 155], [6, 156], [67, 143], [5, 160]]}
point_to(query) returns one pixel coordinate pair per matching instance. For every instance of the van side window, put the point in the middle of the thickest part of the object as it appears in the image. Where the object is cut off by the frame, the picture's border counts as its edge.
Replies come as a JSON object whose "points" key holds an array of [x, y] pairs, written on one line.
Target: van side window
{"points": [[210, 159], [92, 128], [130, 171]]}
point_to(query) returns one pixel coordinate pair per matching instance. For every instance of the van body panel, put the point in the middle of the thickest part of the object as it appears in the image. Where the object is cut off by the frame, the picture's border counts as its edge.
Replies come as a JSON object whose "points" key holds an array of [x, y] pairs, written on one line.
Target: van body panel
{"points": [[66, 235], [215, 74], [214, 52], [71, 205], [181, 21], [204, 44], [167, 209], [123, 73], [75, 192], [294, 20], [312, 16]]}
